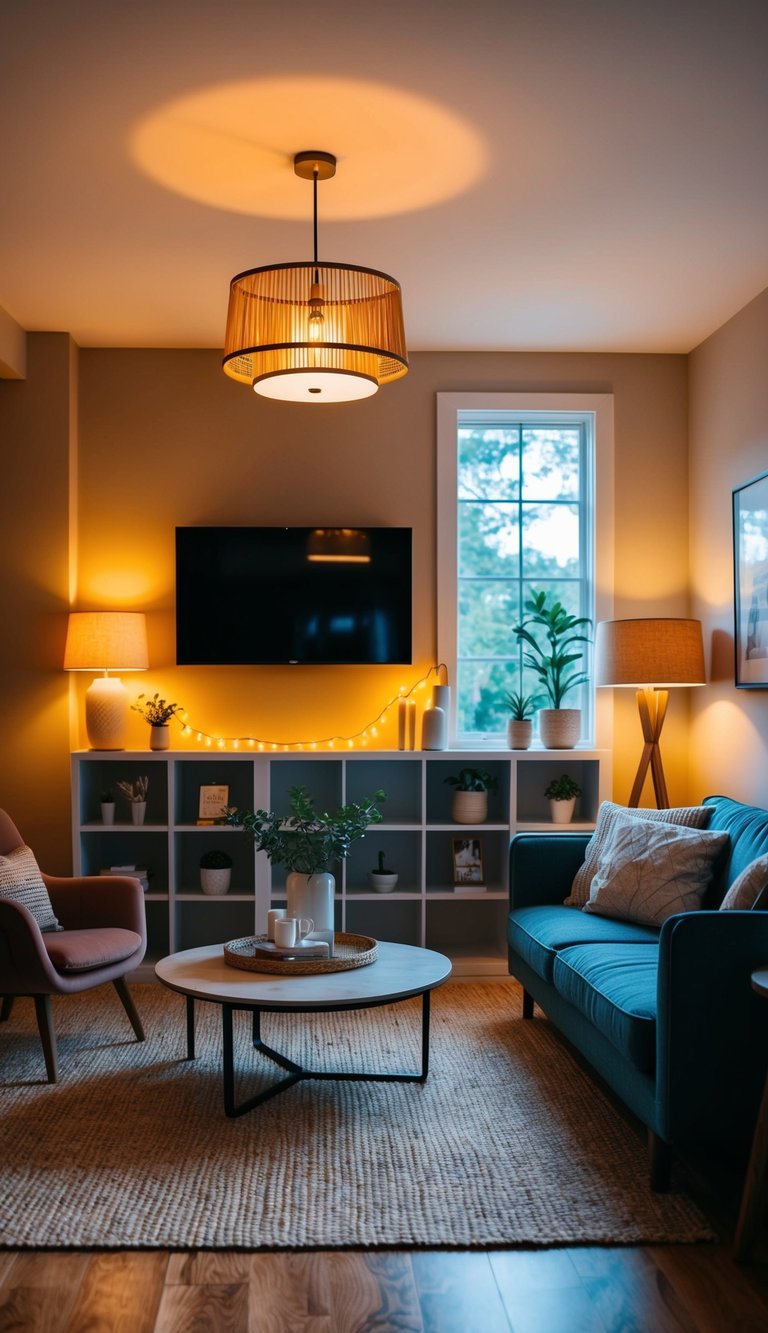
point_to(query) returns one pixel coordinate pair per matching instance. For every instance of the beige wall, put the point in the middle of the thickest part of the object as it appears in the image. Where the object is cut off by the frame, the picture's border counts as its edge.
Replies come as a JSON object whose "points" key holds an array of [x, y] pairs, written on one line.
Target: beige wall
{"points": [[166, 439], [728, 446]]}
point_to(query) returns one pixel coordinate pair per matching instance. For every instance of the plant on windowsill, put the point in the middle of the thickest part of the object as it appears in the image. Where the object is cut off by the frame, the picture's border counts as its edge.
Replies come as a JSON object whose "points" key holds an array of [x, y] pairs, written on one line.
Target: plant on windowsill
{"points": [[308, 842], [520, 725], [380, 878], [470, 797], [561, 794], [215, 872], [158, 713], [554, 664]]}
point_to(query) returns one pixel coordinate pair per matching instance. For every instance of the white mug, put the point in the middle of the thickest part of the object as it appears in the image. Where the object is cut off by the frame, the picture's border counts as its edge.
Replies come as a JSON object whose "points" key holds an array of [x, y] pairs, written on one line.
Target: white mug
{"points": [[273, 915], [290, 930]]}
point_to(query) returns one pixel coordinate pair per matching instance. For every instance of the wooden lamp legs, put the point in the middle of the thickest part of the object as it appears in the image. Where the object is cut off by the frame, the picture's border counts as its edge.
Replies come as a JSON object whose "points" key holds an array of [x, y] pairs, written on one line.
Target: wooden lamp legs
{"points": [[652, 706]]}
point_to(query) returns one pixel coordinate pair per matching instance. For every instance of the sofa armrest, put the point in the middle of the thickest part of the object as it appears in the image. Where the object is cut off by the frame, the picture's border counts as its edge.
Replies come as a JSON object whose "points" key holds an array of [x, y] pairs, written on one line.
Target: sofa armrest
{"points": [[542, 867], [712, 1029]]}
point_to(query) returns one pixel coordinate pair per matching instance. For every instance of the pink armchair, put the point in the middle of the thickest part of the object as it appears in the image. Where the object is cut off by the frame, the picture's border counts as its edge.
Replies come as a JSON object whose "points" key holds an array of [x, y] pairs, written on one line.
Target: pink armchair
{"points": [[104, 937]]}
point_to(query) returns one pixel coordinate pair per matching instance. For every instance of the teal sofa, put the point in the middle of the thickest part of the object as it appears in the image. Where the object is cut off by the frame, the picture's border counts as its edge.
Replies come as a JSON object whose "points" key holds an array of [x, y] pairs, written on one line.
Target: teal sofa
{"points": [[667, 1018]]}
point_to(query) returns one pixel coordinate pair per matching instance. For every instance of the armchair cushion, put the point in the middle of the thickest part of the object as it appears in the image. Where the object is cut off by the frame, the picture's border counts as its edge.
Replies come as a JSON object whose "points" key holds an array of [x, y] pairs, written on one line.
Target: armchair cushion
{"points": [[20, 879], [83, 950]]}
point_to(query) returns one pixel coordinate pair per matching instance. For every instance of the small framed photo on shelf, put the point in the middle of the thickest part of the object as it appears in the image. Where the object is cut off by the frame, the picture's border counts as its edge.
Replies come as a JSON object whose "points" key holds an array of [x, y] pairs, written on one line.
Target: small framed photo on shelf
{"points": [[213, 804], [750, 563], [468, 864]]}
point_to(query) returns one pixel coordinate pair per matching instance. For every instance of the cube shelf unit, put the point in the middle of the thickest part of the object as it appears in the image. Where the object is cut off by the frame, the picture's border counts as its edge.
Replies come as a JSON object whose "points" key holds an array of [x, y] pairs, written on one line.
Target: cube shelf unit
{"points": [[416, 834]]}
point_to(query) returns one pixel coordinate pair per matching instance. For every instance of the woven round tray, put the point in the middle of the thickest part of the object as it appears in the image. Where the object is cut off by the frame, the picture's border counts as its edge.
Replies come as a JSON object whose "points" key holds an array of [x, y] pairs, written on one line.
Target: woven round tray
{"points": [[349, 951]]}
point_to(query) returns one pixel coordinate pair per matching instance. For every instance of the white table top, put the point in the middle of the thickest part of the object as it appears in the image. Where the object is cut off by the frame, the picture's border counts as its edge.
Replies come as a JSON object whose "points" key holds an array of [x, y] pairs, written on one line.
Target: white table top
{"points": [[400, 970]]}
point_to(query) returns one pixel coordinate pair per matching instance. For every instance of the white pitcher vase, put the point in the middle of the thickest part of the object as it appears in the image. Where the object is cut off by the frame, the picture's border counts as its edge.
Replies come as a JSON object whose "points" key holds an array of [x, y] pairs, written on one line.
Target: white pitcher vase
{"points": [[313, 896]]}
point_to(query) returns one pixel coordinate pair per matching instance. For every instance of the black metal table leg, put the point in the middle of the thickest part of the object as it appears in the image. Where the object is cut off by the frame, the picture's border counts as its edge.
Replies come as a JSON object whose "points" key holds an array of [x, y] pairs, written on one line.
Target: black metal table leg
{"points": [[190, 1027]]}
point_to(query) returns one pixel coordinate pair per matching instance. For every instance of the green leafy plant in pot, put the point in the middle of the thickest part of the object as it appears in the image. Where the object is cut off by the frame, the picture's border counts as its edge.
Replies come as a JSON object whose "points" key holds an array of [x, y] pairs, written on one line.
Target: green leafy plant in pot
{"points": [[308, 842], [561, 794], [382, 879], [520, 725], [158, 713], [470, 797], [554, 663], [215, 871]]}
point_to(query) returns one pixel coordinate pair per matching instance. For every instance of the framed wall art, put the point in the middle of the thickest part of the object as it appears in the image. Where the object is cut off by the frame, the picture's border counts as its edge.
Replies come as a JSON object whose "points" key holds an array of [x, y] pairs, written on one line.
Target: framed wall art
{"points": [[214, 800], [467, 863], [750, 566]]}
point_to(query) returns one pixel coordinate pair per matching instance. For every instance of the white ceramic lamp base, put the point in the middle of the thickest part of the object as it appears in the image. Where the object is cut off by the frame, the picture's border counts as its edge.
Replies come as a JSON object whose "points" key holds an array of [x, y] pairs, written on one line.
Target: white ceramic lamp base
{"points": [[106, 713]]}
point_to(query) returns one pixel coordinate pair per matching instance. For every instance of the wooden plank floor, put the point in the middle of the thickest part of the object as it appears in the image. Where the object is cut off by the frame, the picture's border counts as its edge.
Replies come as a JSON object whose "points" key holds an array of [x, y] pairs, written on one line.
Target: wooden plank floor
{"points": [[655, 1289]]}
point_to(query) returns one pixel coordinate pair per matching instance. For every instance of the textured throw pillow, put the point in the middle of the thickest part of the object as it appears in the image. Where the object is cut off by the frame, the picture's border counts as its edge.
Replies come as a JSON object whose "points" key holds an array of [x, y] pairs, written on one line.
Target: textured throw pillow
{"points": [[650, 871], [608, 817], [21, 880], [746, 889]]}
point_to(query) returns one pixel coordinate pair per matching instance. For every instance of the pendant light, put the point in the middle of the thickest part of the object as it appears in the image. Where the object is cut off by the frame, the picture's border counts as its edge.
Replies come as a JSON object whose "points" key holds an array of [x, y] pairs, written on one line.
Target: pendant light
{"points": [[314, 332]]}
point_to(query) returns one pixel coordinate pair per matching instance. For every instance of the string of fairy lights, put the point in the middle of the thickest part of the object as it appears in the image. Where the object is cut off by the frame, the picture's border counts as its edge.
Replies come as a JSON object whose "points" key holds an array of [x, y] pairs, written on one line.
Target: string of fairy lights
{"points": [[362, 738]]}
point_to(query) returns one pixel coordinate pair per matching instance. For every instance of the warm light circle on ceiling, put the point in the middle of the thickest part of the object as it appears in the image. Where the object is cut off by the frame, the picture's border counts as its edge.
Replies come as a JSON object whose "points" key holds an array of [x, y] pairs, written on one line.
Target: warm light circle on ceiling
{"points": [[232, 146]]}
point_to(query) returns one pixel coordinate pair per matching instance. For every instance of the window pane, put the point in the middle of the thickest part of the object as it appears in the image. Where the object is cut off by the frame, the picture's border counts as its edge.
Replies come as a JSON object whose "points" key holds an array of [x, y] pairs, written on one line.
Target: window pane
{"points": [[550, 540], [551, 460], [487, 612], [481, 703], [489, 463], [488, 539]]}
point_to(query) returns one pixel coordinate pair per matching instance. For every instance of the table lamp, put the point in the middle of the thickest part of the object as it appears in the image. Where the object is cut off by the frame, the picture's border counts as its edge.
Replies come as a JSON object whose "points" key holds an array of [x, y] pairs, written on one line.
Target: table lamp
{"points": [[106, 641], [653, 656]]}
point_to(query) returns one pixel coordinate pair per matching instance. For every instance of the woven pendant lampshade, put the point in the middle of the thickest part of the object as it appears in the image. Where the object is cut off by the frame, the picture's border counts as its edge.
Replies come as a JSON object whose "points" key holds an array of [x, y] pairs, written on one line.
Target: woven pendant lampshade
{"points": [[312, 331]]}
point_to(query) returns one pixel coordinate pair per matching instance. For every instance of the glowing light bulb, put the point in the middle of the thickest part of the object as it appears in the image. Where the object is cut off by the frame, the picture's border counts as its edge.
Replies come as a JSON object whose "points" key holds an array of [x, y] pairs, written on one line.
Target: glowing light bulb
{"points": [[220, 743], [316, 316], [261, 745], [207, 740], [374, 731]]}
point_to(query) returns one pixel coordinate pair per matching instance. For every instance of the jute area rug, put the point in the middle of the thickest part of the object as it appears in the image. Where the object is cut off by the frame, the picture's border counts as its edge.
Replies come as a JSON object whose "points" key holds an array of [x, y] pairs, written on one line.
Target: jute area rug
{"points": [[508, 1143]]}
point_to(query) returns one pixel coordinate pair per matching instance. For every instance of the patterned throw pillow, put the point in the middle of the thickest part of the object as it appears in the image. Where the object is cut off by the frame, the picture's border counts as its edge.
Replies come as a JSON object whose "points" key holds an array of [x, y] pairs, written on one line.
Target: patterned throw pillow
{"points": [[21, 880], [609, 816], [747, 887], [650, 871]]}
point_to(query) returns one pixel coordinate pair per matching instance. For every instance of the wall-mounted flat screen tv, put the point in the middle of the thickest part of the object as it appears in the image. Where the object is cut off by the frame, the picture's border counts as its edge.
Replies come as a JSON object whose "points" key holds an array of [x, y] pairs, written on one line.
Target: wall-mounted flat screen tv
{"points": [[316, 596]]}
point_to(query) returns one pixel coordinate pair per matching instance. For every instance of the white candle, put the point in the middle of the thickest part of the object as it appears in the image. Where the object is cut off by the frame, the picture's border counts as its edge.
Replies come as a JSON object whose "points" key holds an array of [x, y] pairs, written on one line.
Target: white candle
{"points": [[401, 713], [411, 724]]}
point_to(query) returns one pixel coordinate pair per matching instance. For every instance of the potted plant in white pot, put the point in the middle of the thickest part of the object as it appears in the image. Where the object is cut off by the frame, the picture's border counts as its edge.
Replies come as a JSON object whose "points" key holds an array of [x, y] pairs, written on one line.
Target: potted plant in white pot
{"points": [[520, 724], [158, 713], [381, 878], [215, 872], [108, 806], [470, 797], [554, 664], [136, 795], [308, 843], [561, 794]]}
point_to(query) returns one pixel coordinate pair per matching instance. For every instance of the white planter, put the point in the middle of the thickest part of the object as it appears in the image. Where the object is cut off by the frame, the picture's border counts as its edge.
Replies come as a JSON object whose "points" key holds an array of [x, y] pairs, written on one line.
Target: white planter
{"points": [[382, 883], [559, 728], [215, 880], [470, 807], [519, 733], [312, 896], [138, 811], [160, 737], [107, 812], [562, 811]]}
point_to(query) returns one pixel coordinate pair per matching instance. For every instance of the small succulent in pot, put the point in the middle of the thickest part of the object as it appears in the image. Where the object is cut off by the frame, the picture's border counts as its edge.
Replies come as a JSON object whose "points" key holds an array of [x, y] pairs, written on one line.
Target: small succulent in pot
{"points": [[470, 797], [563, 788], [381, 878], [215, 872], [215, 859], [107, 796], [521, 706]]}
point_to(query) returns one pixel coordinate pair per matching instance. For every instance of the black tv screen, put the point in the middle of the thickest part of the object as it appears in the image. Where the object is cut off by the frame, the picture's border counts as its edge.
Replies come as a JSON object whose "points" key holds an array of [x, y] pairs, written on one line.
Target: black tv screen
{"points": [[270, 596]]}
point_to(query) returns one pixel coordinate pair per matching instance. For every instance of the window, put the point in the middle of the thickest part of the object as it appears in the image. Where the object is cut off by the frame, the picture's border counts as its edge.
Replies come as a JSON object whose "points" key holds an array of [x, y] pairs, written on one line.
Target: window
{"points": [[525, 487]]}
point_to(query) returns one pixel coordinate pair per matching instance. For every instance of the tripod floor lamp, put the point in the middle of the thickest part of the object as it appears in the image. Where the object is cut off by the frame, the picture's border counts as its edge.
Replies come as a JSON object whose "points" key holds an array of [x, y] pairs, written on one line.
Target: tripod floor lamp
{"points": [[653, 656]]}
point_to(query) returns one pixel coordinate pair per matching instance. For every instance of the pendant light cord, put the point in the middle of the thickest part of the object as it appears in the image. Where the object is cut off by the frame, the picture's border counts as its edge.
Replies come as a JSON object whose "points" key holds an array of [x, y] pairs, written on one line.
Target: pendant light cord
{"points": [[314, 209]]}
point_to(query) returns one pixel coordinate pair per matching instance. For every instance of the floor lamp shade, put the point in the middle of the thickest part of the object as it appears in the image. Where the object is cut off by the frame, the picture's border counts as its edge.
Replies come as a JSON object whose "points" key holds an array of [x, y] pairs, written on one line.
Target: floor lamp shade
{"points": [[106, 641], [651, 655]]}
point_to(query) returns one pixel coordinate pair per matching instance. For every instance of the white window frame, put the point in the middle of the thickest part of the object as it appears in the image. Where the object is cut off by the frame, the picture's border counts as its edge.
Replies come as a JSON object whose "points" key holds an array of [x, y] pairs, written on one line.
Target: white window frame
{"points": [[596, 412]]}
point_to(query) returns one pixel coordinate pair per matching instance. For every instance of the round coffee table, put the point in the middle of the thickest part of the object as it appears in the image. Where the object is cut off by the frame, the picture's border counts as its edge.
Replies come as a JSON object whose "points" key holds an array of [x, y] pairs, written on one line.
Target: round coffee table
{"points": [[399, 972]]}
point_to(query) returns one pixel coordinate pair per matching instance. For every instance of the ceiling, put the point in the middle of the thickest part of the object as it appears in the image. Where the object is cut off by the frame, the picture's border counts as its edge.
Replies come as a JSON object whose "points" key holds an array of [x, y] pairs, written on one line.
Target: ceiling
{"points": [[538, 174]]}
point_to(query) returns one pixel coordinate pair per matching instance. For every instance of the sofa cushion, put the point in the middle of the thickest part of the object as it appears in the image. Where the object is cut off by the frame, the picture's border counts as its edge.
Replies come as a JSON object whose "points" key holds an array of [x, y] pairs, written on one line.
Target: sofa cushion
{"points": [[536, 934], [614, 987], [20, 879], [609, 817], [747, 889], [748, 829], [649, 872], [84, 950]]}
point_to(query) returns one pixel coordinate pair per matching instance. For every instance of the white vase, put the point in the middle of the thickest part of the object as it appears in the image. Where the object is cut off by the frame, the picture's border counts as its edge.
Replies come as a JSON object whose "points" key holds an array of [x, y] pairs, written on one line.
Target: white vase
{"points": [[434, 729], [215, 880], [313, 896], [559, 728], [138, 811], [470, 807], [160, 737], [519, 733], [382, 883], [562, 811], [107, 812]]}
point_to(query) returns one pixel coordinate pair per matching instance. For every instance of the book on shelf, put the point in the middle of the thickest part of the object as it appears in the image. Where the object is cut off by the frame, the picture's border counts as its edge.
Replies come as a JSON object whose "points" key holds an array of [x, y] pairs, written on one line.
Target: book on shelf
{"points": [[470, 888], [141, 873]]}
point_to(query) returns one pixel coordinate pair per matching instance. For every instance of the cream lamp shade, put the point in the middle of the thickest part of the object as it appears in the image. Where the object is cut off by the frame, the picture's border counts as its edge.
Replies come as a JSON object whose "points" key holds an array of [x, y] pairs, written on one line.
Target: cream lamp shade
{"points": [[651, 655], [106, 641]]}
